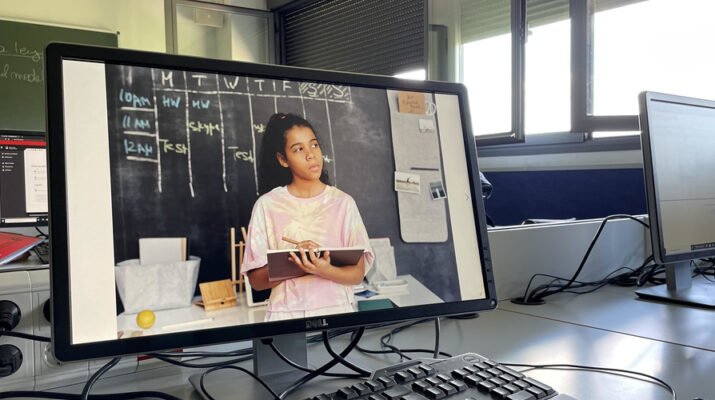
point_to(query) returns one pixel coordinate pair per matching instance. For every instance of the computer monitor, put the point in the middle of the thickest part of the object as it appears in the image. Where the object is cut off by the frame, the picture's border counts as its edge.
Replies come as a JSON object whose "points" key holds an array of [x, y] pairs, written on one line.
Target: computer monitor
{"points": [[23, 179], [145, 145], [678, 141]]}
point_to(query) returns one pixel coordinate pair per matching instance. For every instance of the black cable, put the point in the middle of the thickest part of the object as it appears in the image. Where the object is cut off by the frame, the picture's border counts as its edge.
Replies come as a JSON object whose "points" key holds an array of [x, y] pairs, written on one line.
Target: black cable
{"points": [[305, 369], [537, 295], [189, 364], [25, 336], [259, 380], [72, 396], [436, 338], [353, 343], [395, 350], [95, 377], [41, 234], [653, 379], [363, 373]]}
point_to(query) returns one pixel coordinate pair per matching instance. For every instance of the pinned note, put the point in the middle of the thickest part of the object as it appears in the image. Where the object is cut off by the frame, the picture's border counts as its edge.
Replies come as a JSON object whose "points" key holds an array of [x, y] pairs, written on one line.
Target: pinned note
{"points": [[411, 102]]}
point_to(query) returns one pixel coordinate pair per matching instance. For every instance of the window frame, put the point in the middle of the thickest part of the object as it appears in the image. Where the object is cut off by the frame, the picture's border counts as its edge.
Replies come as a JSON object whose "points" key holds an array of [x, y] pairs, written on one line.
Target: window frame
{"points": [[583, 123]]}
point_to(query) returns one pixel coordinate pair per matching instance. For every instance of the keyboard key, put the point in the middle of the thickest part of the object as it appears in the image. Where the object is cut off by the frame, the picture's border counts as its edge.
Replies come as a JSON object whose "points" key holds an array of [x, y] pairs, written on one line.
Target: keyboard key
{"points": [[512, 388], [434, 393], [485, 375], [412, 396], [497, 382], [346, 393], [386, 381], [470, 369], [523, 395], [486, 386], [395, 392], [538, 393], [418, 373], [481, 366], [361, 389], [459, 385], [490, 363], [374, 385], [500, 393], [321, 397], [510, 371], [447, 389], [473, 380], [546, 388], [403, 376], [427, 369], [443, 377], [377, 396], [460, 373], [433, 381], [495, 371], [521, 384], [420, 386], [506, 378]]}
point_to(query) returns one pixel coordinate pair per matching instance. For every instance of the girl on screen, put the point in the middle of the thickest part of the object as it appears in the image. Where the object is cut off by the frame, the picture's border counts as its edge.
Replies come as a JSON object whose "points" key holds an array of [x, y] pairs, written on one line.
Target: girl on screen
{"points": [[299, 209]]}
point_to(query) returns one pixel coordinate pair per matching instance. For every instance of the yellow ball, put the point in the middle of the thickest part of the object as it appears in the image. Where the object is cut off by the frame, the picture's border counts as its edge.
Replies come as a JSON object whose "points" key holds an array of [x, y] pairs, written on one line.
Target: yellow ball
{"points": [[146, 319]]}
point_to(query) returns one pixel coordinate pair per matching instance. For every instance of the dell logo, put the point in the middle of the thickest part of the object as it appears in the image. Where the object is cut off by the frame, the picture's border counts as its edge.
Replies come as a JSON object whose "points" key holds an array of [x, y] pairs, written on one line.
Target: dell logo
{"points": [[316, 323]]}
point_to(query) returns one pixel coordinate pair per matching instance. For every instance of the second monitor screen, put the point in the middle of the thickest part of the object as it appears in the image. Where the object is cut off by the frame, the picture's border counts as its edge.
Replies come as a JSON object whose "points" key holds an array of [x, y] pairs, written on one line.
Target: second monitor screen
{"points": [[180, 154]]}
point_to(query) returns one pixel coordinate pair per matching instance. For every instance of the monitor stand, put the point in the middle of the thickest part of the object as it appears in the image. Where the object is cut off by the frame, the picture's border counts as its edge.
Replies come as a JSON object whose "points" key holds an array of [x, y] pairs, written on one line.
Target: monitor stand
{"points": [[680, 288], [266, 364]]}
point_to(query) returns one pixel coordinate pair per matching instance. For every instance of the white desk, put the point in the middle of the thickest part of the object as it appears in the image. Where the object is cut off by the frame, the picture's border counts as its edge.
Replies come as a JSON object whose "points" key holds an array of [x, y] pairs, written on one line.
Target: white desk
{"points": [[195, 317]]}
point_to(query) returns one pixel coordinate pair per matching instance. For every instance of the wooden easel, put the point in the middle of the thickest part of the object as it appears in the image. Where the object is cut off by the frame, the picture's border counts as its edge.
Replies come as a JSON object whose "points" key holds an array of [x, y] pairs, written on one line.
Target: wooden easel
{"points": [[237, 281], [224, 293]]}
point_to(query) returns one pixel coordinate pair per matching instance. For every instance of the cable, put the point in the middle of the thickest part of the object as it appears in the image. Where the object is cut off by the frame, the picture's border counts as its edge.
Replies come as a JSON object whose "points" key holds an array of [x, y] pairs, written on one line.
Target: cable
{"points": [[435, 355], [95, 377], [305, 369], [25, 336], [617, 371], [361, 372], [189, 364], [353, 343], [537, 295], [384, 342], [72, 396], [259, 380]]}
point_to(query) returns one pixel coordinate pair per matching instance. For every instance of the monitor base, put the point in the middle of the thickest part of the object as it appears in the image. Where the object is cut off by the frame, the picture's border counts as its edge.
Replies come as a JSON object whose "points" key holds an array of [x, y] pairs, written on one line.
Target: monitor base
{"points": [[699, 294], [276, 373]]}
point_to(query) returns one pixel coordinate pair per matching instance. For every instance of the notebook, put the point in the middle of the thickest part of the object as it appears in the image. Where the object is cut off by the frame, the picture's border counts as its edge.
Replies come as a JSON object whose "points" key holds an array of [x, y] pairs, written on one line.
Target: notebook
{"points": [[280, 267]]}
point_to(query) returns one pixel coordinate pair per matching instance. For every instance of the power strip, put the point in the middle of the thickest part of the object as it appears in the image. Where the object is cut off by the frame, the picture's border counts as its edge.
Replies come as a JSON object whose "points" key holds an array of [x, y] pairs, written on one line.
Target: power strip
{"points": [[30, 290]]}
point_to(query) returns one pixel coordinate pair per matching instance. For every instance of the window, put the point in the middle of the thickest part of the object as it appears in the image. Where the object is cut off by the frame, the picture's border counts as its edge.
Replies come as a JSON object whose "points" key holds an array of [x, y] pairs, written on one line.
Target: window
{"points": [[578, 66]]}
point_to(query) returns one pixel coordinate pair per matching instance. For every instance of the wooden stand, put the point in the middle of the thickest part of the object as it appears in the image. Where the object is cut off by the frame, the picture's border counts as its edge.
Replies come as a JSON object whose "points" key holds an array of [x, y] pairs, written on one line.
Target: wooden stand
{"points": [[224, 293], [236, 276], [218, 294]]}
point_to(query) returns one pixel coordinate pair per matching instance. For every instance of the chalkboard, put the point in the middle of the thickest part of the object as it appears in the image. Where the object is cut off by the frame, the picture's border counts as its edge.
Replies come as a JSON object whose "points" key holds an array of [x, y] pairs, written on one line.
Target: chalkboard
{"points": [[22, 69], [183, 147]]}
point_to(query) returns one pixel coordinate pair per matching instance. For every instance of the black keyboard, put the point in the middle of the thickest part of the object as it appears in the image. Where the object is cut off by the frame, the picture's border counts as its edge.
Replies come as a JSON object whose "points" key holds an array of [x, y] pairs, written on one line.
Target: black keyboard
{"points": [[466, 376]]}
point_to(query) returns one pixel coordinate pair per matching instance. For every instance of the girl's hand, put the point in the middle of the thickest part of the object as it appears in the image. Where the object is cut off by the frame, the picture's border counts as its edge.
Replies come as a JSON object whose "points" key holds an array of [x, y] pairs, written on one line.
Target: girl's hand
{"points": [[309, 262]]}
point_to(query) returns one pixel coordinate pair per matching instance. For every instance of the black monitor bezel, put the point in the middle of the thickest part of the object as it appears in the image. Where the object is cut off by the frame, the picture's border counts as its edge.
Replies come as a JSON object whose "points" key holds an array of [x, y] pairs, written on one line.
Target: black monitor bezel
{"points": [[59, 271], [31, 135], [651, 184]]}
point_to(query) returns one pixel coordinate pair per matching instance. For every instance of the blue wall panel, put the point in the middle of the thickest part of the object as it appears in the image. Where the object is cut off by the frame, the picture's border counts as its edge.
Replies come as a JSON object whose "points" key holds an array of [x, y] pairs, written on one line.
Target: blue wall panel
{"points": [[580, 194]]}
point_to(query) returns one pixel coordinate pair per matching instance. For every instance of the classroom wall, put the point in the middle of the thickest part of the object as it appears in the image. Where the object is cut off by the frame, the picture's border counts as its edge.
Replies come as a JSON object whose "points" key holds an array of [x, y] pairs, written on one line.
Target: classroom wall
{"points": [[140, 22]]}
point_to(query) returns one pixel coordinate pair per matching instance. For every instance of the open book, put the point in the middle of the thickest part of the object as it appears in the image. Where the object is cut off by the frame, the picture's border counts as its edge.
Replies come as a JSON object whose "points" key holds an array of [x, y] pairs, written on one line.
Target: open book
{"points": [[280, 267]]}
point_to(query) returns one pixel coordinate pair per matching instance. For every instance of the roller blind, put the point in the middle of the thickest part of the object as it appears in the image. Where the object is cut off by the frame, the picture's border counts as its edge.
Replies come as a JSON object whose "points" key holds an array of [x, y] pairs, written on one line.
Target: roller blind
{"points": [[367, 36]]}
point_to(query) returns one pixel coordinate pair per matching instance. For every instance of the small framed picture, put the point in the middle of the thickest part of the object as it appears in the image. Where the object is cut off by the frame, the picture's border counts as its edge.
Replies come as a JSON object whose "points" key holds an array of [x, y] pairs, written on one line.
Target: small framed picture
{"points": [[437, 191], [407, 182]]}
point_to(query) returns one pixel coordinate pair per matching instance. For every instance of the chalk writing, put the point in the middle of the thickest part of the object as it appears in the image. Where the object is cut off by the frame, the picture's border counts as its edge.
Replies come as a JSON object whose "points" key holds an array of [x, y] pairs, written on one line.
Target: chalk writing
{"points": [[204, 127], [134, 100], [32, 76], [241, 155], [132, 147], [260, 128], [167, 146], [171, 102]]}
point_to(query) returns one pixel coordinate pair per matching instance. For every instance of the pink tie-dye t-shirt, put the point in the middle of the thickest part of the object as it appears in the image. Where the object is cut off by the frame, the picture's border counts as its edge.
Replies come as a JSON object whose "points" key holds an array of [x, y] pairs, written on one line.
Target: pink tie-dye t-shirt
{"points": [[331, 219]]}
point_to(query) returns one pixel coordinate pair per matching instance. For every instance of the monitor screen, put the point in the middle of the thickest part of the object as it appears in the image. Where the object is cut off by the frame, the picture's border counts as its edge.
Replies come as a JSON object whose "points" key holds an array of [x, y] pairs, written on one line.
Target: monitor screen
{"points": [[23, 179], [678, 141], [155, 158]]}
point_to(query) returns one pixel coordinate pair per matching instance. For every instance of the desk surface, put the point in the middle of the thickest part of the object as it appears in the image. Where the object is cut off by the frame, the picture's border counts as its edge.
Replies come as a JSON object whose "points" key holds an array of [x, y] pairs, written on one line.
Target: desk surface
{"points": [[608, 328]]}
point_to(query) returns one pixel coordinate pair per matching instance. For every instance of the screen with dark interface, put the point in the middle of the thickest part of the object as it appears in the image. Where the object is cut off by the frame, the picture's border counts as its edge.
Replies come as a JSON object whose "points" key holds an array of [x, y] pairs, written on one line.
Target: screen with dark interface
{"points": [[23, 179]]}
